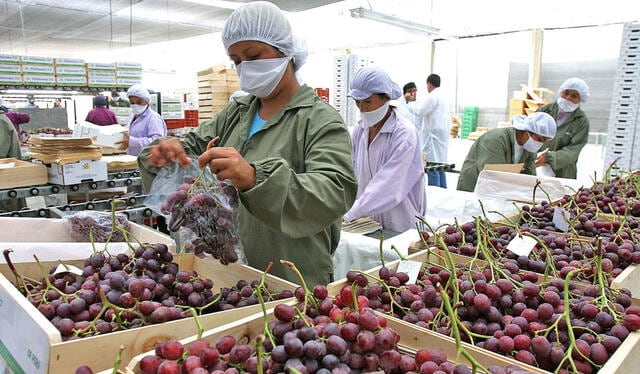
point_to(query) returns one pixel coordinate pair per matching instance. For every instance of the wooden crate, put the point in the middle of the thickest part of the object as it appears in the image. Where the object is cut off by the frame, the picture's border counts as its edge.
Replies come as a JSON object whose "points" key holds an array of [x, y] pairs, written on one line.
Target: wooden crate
{"points": [[412, 338], [39, 348], [22, 174], [621, 362]]}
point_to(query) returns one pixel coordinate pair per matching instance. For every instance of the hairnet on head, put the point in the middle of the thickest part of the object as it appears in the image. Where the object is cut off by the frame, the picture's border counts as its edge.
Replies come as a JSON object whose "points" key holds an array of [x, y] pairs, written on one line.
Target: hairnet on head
{"points": [[538, 123], [371, 80], [139, 91], [264, 22], [99, 100], [578, 85]]}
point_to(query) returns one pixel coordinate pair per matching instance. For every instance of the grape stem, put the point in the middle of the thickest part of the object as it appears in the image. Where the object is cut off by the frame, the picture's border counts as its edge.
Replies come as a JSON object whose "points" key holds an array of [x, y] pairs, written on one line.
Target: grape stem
{"points": [[308, 295], [259, 352], [456, 332], [116, 363], [258, 291]]}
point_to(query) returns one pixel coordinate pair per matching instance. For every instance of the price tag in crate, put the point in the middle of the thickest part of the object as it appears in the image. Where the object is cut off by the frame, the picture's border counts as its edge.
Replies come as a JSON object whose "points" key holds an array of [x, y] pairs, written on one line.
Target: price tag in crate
{"points": [[522, 245], [561, 218], [412, 268]]}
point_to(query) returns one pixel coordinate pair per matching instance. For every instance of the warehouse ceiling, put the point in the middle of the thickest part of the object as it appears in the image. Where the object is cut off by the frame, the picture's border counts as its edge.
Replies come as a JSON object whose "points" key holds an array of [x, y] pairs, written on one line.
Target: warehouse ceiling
{"points": [[57, 25]]}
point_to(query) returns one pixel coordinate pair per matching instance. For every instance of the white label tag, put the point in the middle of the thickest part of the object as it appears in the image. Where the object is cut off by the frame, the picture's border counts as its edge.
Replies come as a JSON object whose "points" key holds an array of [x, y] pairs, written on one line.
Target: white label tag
{"points": [[62, 268], [561, 218], [412, 268], [522, 245]]}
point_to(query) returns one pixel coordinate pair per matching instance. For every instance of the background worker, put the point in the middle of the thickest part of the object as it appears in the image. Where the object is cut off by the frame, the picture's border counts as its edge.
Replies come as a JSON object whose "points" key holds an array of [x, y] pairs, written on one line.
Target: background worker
{"points": [[435, 128], [118, 101], [387, 157], [508, 145], [409, 94], [144, 124], [573, 129], [284, 149], [100, 114]]}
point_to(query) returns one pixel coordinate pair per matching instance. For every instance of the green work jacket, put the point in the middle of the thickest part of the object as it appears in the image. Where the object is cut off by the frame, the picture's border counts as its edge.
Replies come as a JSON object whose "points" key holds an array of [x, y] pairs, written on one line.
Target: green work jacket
{"points": [[565, 148], [494, 147], [304, 181], [9, 143]]}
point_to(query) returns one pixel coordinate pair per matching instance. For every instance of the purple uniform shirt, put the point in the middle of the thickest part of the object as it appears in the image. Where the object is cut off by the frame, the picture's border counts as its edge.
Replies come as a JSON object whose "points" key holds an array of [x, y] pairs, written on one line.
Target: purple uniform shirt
{"points": [[101, 116], [390, 173], [144, 130]]}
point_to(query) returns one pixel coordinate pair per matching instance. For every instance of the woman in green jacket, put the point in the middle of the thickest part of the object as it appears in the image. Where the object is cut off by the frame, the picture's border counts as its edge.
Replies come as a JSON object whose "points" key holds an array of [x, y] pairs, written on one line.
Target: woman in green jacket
{"points": [[287, 152], [508, 145], [573, 129]]}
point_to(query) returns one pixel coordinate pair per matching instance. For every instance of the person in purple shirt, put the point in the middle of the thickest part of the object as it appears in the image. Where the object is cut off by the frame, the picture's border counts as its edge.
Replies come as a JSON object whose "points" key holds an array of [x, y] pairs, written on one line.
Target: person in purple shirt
{"points": [[101, 115], [145, 125], [386, 154]]}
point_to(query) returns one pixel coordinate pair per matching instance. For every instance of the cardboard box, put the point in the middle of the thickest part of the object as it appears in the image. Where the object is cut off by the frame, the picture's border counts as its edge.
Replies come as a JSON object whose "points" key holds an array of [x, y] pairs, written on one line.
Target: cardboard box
{"points": [[39, 349], [77, 172], [37, 60], [106, 136], [9, 59], [127, 82], [69, 62], [71, 80], [104, 82], [38, 69], [71, 70], [10, 68], [129, 74], [22, 174], [100, 66], [45, 80], [128, 65], [11, 78]]}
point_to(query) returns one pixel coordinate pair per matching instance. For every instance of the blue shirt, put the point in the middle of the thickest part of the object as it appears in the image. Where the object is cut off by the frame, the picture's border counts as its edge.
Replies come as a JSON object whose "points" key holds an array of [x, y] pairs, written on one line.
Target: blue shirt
{"points": [[256, 125]]}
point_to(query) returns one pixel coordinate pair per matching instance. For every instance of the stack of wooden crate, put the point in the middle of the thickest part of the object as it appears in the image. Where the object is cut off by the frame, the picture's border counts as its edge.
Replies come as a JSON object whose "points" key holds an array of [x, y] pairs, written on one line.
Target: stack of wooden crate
{"points": [[215, 85], [527, 100]]}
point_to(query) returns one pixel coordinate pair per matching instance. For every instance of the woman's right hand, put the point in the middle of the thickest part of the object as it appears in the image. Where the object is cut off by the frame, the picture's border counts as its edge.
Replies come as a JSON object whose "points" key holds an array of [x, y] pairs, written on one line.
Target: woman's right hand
{"points": [[168, 151]]}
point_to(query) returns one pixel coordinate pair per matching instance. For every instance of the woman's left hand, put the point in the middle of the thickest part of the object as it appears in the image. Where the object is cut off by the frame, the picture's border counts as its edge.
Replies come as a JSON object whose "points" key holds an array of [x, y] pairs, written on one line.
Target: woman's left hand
{"points": [[228, 163], [124, 143]]}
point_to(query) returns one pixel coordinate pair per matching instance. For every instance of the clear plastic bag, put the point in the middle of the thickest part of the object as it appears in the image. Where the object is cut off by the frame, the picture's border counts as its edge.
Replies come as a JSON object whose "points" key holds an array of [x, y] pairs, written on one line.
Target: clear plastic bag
{"points": [[96, 225], [199, 207]]}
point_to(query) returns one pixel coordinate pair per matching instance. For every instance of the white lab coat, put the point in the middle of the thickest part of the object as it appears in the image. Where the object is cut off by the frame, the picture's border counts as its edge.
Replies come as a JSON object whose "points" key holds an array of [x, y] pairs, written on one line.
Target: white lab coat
{"points": [[403, 110], [435, 125]]}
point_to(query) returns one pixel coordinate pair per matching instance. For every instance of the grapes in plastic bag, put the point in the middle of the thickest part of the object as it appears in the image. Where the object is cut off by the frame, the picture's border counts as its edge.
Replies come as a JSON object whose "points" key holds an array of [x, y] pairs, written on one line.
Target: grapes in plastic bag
{"points": [[99, 224], [193, 199]]}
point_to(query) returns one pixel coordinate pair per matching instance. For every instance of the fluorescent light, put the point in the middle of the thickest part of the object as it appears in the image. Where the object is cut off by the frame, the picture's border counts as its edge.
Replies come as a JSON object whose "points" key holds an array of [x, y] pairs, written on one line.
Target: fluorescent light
{"points": [[391, 20], [219, 3]]}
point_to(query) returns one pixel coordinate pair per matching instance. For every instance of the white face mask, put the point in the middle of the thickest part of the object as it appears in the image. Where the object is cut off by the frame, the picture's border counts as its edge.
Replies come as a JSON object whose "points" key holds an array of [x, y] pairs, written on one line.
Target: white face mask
{"points": [[138, 109], [260, 77], [532, 145], [566, 105], [371, 118]]}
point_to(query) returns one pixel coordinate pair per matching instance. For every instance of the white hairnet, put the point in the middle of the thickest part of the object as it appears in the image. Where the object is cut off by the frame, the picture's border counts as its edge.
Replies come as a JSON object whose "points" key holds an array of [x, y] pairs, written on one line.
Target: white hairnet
{"points": [[371, 80], [264, 22], [538, 123], [578, 85], [139, 91]]}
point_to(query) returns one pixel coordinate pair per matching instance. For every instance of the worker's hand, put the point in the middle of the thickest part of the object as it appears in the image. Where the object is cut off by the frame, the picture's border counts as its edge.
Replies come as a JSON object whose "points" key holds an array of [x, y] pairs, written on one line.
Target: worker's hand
{"points": [[541, 160], [228, 163], [168, 151], [124, 143]]}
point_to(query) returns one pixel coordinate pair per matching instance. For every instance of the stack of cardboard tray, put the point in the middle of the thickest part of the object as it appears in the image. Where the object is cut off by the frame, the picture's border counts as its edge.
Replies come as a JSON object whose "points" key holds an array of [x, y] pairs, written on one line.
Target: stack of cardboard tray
{"points": [[215, 86]]}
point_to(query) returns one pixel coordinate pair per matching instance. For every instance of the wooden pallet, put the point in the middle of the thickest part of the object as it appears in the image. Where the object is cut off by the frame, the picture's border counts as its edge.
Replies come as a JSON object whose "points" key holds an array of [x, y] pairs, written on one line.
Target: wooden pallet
{"points": [[37, 346]]}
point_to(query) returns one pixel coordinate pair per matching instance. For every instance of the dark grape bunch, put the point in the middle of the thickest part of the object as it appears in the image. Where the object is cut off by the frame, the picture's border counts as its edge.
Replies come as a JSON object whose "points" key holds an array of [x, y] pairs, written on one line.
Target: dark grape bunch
{"points": [[317, 336], [86, 224], [619, 196], [123, 292], [209, 210]]}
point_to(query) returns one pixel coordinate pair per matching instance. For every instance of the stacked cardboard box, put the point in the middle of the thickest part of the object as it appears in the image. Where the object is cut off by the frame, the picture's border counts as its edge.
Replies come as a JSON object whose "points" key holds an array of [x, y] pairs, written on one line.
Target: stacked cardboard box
{"points": [[71, 72], [38, 71], [527, 100], [215, 85], [128, 73]]}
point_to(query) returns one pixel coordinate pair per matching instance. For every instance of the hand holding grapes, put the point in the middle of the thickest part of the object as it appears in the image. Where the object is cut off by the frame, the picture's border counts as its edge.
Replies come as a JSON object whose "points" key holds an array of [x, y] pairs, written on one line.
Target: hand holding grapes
{"points": [[168, 151], [228, 163]]}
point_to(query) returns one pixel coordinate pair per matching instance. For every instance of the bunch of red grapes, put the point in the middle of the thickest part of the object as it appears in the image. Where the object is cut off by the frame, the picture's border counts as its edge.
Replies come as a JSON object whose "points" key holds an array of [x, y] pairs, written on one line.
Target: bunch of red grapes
{"points": [[620, 196], [509, 315], [87, 225], [124, 292], [327, 338], [209, 208]]}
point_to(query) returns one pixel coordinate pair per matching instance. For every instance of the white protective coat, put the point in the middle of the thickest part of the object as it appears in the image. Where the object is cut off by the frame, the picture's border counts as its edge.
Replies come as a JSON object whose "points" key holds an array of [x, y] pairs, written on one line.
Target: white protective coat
{"points": [[435, 125]]}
